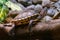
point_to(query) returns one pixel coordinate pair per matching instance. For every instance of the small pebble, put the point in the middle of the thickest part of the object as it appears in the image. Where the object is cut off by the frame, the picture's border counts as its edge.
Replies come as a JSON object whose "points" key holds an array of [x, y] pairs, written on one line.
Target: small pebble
{"points": [[46, 19], [22, 0], [57, 4], [45, 2], [56, 14], [36, 1], [30, 7], [54, 0], [51, 11], [38, 7]]}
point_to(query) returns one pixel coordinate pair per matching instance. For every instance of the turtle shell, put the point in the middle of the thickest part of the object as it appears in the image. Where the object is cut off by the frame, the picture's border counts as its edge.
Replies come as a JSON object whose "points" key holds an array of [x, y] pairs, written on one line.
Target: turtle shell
{"points": [[24, 17]]}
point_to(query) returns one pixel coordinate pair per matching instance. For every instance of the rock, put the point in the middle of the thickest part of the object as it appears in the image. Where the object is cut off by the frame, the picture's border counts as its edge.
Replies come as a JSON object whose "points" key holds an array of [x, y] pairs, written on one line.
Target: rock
{"points": [[57, 4], [46, 19], [30, 7], [36, 1], [45, 2], [38, 8], [56, 15], [51, 11], [28, 1], [22, 0], [54, 0], [25, 2]]}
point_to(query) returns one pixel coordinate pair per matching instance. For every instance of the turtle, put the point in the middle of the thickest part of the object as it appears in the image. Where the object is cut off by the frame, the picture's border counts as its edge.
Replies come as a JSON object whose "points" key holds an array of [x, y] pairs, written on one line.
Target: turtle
{"points": [[26, 16]]}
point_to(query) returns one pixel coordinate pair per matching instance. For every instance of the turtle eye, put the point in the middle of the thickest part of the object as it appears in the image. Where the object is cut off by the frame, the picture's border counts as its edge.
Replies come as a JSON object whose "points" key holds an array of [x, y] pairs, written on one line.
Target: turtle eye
{"points": [[9, 8]]}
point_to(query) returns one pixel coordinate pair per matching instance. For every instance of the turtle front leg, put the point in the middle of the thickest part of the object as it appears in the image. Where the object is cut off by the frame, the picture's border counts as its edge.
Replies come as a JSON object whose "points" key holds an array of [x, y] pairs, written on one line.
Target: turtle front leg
{"points": [[12, 32], [30, 24], [10, 28]]}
